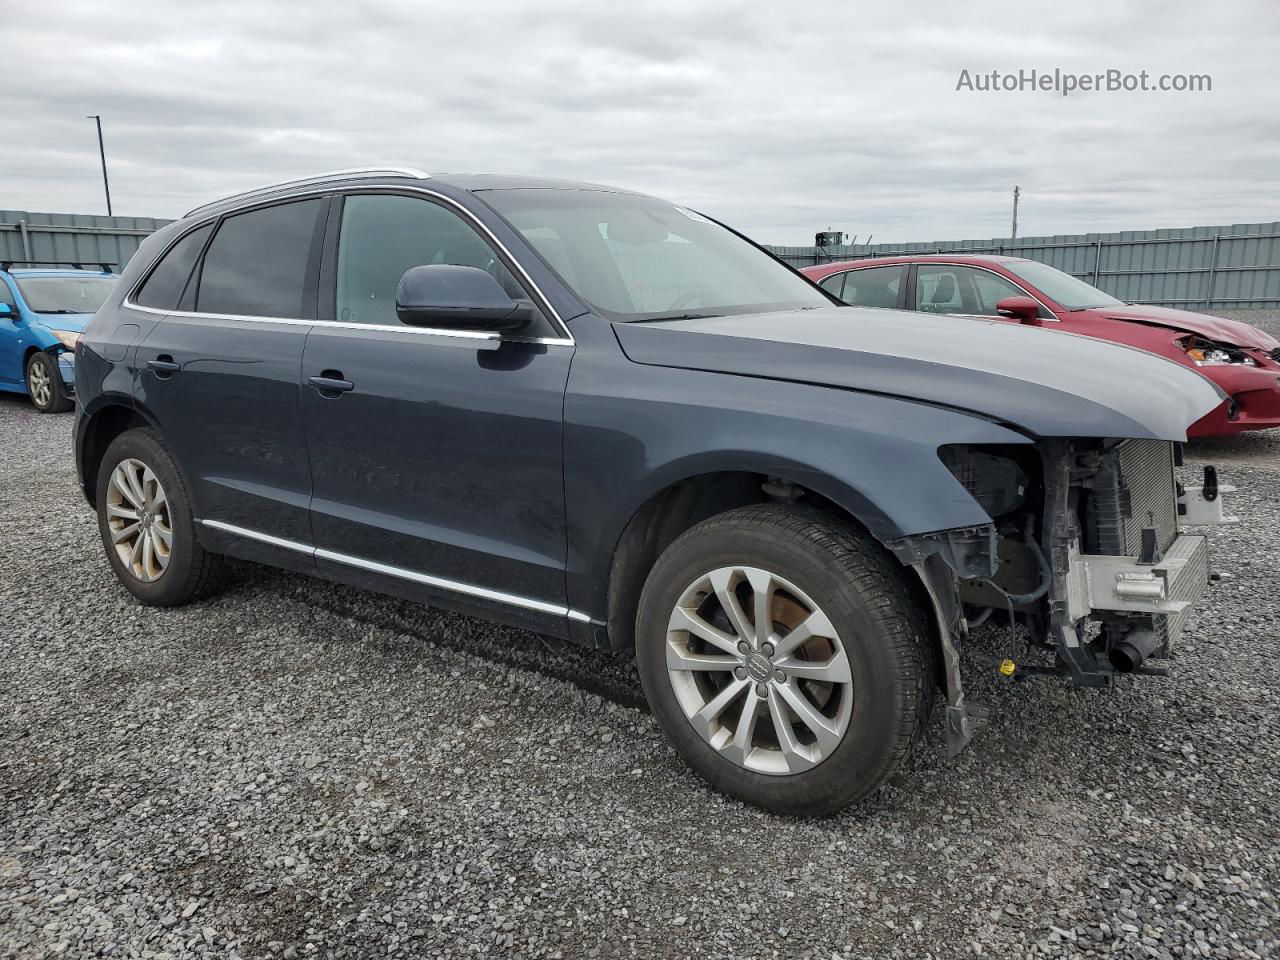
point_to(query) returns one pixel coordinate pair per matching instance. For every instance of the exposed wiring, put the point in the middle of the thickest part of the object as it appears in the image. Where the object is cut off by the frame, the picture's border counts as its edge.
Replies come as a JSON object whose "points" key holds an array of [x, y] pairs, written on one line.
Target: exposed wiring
{"points": [[1046, 576], [981, 618]]}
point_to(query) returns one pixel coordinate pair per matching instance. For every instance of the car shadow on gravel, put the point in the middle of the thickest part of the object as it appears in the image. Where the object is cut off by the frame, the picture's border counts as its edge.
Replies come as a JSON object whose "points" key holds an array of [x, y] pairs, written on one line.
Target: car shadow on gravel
{"points": [[1031, 717]]}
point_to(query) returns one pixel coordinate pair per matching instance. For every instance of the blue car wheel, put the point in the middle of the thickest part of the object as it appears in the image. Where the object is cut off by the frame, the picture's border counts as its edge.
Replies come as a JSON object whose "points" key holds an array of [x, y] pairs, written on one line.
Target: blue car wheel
{"points": [[44, 385]]}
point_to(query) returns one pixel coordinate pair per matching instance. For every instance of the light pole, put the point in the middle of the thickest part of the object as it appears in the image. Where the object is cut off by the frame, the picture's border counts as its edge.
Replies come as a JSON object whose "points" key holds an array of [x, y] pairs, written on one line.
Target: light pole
{"points": [[1013, 233], [103, 154]]}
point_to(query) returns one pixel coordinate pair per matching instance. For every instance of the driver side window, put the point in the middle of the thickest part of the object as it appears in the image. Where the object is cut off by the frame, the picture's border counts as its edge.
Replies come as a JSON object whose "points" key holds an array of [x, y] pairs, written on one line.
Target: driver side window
{"points": [[383, 235], [990, 290], [938, 289], [951, 288]]}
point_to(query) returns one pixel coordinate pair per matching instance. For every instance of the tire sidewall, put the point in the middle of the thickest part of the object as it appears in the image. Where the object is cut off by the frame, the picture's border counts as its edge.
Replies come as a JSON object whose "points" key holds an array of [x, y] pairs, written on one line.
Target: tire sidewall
{"points": [[879, 693], [146, 447], [57, 395]]}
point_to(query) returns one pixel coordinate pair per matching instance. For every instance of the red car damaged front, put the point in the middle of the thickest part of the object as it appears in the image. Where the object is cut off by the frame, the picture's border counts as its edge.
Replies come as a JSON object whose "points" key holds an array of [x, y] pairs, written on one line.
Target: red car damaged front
{"points": [[1239, 358]]}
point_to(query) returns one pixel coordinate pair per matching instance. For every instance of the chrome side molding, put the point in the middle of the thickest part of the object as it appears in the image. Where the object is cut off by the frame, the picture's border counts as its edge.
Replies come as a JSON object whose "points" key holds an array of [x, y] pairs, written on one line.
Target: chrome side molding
{"points": [[440, 583]]}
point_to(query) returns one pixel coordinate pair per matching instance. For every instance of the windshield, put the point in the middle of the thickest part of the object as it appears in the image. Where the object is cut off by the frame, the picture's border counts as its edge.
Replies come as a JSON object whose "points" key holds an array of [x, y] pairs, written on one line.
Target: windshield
{"points": [[635, 258], [65, 294], [1072, 292]]}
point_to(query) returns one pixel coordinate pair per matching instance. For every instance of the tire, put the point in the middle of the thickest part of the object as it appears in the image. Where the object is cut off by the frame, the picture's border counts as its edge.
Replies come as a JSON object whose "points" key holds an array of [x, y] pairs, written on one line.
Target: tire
{"points": [[44, 384], [816, 571], [170, 574]]}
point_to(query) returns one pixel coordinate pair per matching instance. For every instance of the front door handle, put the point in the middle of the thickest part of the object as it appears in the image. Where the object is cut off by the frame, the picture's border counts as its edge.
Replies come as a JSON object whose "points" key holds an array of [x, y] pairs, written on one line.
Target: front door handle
{"points": [[164, 366], [331, 384]]}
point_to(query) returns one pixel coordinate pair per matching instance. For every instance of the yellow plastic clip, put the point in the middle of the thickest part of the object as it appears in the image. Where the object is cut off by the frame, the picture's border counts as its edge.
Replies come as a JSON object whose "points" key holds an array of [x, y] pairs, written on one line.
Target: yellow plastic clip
{"points": [[1008, 667]]}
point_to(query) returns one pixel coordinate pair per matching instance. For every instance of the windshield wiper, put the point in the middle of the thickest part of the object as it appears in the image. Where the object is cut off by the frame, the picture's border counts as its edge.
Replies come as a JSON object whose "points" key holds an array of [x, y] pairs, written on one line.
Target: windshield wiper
{"points": [[60, 311], [678, 316]]}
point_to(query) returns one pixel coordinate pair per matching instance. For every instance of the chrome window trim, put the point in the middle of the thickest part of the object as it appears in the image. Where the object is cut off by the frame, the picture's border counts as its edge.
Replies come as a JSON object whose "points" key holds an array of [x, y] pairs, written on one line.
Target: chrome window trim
{"points": [[351, 174], [453, 586], [379, 327], [1052, 318], [449, 202]]}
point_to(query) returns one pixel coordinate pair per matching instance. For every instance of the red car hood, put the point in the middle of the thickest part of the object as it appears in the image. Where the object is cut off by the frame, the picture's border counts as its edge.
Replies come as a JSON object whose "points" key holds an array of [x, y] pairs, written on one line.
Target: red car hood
{"points": [[1231, 332]]}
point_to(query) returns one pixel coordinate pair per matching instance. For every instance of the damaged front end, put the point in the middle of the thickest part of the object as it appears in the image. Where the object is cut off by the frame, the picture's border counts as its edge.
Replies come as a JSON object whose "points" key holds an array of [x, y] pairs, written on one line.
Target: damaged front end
{"points": [[1085, 551]]}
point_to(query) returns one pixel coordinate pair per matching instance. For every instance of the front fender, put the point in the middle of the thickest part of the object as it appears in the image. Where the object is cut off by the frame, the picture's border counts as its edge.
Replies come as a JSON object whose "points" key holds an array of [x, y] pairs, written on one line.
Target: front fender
{"points": [[632, 431]]}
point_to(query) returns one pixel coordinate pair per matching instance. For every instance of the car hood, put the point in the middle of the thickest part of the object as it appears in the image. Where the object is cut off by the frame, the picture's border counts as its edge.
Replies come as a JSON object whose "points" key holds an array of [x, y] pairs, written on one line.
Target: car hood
{"points": [[1219, 329], [1048, 383], [73, 322]]}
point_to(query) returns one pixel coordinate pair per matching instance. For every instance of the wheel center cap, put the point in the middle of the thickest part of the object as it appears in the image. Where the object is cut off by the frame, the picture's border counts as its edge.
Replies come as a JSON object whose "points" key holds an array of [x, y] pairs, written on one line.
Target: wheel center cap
{"points": [[759, 667]]}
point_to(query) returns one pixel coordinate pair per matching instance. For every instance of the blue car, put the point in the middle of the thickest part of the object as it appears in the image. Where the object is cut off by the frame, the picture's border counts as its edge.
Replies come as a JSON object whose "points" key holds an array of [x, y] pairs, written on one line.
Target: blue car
{"points": [[43, 311]]}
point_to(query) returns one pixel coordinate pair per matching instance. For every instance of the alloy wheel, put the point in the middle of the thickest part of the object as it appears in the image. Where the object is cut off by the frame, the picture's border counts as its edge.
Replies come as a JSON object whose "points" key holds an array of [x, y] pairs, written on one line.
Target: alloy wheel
{"points": [[759, 670], [139, 520], [38, 383]]}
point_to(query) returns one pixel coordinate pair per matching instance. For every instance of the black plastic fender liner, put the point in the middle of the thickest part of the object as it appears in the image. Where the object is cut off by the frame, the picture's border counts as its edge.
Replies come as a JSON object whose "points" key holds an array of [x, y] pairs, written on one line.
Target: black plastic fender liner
{"points": [[969, 551], [963, 719]]}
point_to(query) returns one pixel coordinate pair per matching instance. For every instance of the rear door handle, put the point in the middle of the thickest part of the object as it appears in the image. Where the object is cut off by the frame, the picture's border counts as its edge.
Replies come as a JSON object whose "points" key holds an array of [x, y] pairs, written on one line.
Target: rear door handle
{"points": [[164, 366], [330, 383]]}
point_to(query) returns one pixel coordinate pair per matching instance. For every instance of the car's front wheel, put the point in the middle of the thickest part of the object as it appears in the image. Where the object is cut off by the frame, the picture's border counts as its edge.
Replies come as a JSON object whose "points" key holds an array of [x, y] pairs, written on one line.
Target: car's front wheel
{"points": [[44, 384], [147, 528], [786, 656]]}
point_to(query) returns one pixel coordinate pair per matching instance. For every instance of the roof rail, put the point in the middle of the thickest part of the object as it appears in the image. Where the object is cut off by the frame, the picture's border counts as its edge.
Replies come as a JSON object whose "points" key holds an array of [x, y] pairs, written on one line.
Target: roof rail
{"points": [[352, 174], [106, 265]]}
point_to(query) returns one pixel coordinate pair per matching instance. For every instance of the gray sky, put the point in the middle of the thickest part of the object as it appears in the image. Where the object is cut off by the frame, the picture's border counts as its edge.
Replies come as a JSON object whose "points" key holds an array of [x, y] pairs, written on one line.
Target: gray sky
{"points": [[838, 115]]}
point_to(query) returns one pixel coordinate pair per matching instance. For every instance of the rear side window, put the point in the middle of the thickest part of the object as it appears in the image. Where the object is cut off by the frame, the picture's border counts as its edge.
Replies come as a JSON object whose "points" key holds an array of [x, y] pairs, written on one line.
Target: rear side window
{"points": [[833, 284], [873, 286], [163, 289], [256, 265]]}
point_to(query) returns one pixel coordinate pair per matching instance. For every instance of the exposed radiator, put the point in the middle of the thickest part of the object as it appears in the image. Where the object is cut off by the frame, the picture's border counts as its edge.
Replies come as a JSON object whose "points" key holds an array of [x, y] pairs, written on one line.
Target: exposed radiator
{"points": [[1190, 585], [1134, 489]]}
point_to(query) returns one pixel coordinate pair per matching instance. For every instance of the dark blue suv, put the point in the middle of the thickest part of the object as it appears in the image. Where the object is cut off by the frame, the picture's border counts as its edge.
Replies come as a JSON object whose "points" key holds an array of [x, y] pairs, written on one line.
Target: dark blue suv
{"points": [[595, 414]]}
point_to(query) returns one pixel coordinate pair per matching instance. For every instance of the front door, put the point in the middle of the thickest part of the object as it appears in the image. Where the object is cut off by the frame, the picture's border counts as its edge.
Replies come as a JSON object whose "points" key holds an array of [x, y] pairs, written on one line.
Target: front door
{"points": [[962, 290], [437, 462], [222, 380], [12, 332]]}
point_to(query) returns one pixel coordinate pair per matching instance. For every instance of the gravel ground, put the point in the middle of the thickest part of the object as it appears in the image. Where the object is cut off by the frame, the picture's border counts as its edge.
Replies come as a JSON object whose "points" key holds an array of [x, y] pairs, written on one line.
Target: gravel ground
{"points": [[295, 769]]}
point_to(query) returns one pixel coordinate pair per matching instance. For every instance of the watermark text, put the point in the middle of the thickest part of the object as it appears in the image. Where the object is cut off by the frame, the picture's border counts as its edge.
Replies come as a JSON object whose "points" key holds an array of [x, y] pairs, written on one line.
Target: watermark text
{"points": [[1066, 83]]}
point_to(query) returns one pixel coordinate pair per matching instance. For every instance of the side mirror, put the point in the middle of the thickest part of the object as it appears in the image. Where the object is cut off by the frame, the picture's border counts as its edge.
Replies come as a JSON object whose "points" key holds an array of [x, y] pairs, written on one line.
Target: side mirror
{"points": [[7, 312], [1023, 309], [466, 298]]}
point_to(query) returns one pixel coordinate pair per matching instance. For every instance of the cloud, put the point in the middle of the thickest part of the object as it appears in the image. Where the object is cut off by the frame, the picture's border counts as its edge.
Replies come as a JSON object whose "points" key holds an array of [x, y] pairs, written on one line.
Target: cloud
{"points": [[781, 121]]}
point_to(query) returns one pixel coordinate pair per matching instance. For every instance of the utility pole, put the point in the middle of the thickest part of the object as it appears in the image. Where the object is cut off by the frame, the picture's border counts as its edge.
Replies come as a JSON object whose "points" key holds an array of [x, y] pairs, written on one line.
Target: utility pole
{"points": [[103, 154], [1013, 234]]}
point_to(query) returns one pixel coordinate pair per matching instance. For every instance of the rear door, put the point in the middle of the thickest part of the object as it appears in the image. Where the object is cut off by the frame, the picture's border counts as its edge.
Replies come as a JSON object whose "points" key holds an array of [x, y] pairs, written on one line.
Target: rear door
{"points": [[220, 376], [438, 468]]}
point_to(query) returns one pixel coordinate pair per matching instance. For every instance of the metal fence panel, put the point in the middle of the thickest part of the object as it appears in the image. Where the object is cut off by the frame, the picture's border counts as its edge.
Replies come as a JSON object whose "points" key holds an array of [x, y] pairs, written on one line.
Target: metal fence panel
{"points": [[1225, 266], [1236, 266], [73, 237]]}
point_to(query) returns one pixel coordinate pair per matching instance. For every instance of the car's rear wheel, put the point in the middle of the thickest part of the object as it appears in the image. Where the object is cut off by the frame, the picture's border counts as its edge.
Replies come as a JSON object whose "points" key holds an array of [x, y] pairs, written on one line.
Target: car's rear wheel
{"points": [[144, 517], [44, 384], [785, 655]]}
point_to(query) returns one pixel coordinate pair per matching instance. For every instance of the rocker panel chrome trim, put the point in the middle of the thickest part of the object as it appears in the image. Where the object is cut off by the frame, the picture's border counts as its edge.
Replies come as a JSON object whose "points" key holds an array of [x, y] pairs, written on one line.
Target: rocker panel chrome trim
{"points": [[453, 586]]}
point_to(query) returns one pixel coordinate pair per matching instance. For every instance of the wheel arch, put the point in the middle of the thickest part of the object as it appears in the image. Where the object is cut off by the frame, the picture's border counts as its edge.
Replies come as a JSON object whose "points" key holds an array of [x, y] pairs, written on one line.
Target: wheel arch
{"points": [[110, 417], [691, 496], [31, 350]]}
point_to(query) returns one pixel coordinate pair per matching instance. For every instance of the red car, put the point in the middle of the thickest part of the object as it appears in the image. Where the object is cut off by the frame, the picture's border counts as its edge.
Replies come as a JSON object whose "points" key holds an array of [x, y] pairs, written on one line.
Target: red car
{"points": [[1239, 358]]}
